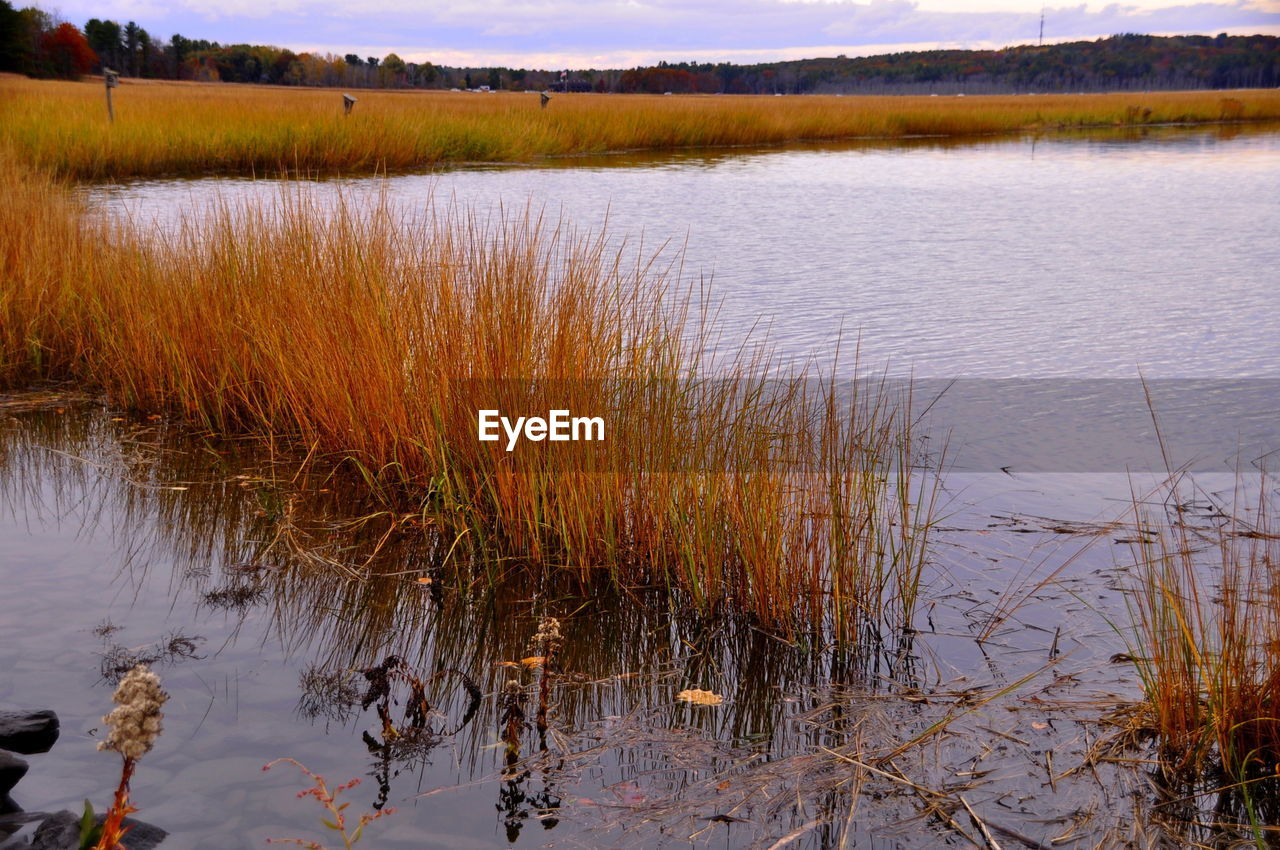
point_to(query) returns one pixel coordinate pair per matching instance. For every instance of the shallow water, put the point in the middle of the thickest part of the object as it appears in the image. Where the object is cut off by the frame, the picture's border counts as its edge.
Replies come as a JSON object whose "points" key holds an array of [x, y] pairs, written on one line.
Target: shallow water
{"points": [[132, 524], [1087, 257]]}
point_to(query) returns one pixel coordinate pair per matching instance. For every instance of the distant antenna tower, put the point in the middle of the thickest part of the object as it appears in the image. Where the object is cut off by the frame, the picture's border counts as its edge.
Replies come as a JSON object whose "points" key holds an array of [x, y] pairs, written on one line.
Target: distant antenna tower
{"points": [[1041, 44]]}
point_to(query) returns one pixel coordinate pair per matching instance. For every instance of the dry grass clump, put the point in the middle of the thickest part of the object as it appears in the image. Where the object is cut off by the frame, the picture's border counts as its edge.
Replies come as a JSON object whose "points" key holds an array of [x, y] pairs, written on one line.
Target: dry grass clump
{"points": [[376, 336], [189, 128], [1207, 622]]}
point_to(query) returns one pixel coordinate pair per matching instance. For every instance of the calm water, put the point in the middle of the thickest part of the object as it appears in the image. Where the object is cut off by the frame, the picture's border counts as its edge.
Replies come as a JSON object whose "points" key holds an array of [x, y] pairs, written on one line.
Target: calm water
{"points": [[1085, 257], [121, 534]]}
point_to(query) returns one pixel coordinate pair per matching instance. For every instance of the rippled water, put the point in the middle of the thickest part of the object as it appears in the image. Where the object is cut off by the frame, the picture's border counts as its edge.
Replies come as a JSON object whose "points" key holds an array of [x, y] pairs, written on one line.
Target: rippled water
{"points": [[121, 533], [1087, 257]]}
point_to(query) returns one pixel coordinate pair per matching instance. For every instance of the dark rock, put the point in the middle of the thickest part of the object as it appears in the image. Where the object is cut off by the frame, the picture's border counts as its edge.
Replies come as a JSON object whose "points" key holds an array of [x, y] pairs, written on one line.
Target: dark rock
{"points": [[16, 819], [61, 831], [12, 769], [28, 732], [8, 807], [11, 823]]}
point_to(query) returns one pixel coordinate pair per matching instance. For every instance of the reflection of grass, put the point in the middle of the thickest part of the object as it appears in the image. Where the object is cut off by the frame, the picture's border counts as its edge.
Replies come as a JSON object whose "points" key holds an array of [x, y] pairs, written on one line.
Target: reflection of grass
{"points": [[1207, 622], [359, 334], [803, 728], [186, 128]]}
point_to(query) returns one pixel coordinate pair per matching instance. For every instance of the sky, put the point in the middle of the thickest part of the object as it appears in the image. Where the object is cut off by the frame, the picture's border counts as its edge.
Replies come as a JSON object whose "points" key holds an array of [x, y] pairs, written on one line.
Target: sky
{"points": [[580, 34]]}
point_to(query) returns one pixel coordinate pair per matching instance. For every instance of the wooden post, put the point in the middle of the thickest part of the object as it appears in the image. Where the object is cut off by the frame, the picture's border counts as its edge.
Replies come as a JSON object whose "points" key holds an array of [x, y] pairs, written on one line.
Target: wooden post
{"points": [[110, 79], [347, 102], [546, 98]]}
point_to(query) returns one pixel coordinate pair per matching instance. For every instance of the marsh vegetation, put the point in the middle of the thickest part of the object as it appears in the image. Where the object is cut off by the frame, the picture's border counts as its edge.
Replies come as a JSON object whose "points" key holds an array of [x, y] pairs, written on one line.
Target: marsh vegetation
{"points": [[192, 128], [770, 625]]}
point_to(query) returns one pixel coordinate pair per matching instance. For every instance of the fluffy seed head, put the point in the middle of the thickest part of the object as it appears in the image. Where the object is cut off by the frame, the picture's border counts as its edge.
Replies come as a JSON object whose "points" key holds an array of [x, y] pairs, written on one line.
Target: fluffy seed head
{"points": [[548, 634], [135, 721]]}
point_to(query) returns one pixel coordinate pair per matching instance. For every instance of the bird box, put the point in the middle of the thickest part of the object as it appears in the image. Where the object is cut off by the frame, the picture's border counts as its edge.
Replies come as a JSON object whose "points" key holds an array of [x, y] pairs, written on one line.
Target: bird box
{"points": [[347, 102]]}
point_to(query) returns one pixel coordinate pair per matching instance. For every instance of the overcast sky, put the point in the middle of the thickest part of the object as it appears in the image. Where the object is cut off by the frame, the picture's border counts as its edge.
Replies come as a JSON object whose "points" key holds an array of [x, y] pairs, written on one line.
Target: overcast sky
{"points": [[624, 33]]}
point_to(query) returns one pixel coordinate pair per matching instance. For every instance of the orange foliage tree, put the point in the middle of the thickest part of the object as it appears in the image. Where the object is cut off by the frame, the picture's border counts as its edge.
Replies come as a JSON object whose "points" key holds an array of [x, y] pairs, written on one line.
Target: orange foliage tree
{"points": [[67, 51]]}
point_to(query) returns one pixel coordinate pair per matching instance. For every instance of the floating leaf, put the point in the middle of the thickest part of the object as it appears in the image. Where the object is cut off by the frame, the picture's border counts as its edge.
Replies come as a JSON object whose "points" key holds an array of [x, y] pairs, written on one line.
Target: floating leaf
{"points": [[699, 697], [527, 663]]}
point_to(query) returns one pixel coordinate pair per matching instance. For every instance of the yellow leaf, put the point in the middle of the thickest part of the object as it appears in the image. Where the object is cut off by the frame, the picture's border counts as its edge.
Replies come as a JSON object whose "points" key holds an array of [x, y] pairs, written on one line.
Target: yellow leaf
{"points": [[698, 697]]}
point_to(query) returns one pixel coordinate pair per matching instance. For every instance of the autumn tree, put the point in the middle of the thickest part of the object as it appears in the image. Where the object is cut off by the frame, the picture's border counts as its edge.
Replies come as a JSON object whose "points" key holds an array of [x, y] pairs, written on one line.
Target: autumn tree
{"points": [[67, 51], [391, 71]]}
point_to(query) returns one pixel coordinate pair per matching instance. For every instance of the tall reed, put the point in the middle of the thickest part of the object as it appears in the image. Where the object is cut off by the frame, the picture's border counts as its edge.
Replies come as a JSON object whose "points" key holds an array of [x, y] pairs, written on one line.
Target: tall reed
{"points": [[189, 128], [1207, 624], [375, 335]]}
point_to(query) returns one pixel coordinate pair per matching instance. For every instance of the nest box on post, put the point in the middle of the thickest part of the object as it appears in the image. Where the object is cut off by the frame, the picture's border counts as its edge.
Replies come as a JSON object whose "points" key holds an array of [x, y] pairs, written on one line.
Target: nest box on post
{"points": [[111, 79], [546, 98], [347, 102]]}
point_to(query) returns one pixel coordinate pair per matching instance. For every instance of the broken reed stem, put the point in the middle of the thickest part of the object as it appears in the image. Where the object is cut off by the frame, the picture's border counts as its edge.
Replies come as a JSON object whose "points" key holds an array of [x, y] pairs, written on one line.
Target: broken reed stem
{"points": [[511, 718], [548, 641]]}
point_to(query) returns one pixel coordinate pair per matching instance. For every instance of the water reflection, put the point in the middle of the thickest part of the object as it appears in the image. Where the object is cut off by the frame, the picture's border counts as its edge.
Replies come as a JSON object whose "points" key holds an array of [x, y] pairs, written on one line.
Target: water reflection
{"points": [[274, 565], [265, 559]]}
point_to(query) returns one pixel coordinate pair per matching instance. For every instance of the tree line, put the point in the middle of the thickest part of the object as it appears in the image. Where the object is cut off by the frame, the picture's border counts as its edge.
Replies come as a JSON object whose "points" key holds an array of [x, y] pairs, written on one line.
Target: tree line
{"points": [[35, 43], [1120, 62]]}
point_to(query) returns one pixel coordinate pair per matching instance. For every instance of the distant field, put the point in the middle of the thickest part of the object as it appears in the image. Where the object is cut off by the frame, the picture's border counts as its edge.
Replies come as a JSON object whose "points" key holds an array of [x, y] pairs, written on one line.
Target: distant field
{"points": [[196, 128]]}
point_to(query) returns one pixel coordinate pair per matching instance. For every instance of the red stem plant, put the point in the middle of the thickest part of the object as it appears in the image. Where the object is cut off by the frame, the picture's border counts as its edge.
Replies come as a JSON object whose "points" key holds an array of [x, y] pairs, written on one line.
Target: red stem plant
{"points": [[134, 724], [337, 820]]}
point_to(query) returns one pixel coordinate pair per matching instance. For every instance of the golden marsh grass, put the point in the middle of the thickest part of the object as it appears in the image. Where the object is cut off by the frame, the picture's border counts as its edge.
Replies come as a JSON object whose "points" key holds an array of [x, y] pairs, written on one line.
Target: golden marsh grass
{"points": [[1207, 628], [195, 128], [366, 334]]}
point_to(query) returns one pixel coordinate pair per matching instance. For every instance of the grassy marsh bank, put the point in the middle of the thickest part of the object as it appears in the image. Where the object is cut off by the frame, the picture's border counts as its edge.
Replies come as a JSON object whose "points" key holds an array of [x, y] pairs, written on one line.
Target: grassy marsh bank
{"points": [[1207, 635], [191, 128], [372, 338]]}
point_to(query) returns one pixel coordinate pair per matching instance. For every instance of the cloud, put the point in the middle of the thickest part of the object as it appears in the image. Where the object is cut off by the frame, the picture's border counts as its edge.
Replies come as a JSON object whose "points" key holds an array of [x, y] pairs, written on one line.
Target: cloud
{"points": [[616, 32]]}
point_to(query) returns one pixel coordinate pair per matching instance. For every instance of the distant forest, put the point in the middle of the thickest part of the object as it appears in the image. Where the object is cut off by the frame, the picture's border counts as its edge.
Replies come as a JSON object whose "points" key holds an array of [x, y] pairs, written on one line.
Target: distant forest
{"points": [[35, 43]]}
